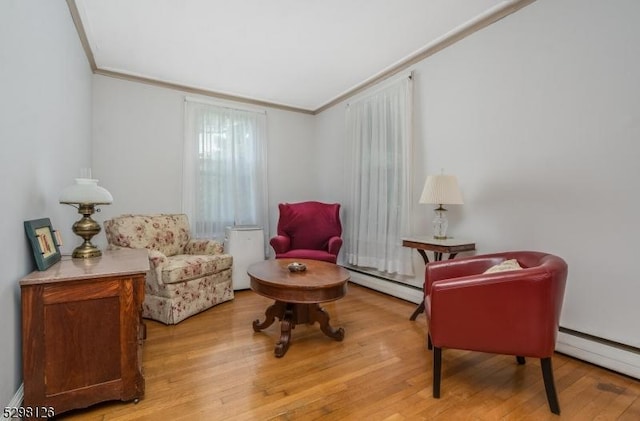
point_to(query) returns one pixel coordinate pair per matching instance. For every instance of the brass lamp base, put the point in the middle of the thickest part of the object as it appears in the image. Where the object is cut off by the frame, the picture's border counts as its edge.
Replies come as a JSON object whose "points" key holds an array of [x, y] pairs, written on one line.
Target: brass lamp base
{"points": [[86, 228], [86, 251]]}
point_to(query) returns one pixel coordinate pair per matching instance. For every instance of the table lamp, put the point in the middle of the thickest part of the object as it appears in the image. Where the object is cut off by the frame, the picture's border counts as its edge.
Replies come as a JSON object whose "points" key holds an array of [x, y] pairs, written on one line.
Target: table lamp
{"points": [[441, 190], [84, 195]]}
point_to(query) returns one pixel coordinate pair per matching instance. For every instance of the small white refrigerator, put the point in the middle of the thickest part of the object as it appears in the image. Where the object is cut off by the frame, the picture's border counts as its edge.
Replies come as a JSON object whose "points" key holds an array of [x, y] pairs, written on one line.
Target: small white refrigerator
{"points": [[246, 244]]}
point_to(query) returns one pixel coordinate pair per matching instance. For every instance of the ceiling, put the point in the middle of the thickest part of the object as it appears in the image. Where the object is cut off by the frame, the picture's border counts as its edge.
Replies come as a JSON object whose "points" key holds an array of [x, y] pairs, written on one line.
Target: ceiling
{"points": [[301, 54]]}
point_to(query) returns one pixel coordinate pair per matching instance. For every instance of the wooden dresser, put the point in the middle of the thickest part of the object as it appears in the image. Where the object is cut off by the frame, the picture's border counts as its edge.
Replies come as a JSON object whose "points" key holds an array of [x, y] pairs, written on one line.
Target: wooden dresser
{"points": [[82, 331]]}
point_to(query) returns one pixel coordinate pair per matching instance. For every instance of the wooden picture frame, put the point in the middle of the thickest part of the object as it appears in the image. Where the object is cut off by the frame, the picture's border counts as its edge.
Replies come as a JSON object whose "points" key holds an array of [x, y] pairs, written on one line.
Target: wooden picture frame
{"points": [[45, 242]]}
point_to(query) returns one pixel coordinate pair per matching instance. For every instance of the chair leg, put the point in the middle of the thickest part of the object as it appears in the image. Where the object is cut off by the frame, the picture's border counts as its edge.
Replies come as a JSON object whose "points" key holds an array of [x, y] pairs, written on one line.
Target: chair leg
{"points": [[520, 360], [437, 370], [549, 385], [429, 344]]}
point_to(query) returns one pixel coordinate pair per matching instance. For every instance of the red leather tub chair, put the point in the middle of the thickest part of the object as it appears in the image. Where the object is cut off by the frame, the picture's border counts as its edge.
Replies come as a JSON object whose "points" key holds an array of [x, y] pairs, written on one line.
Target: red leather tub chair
{"points": [[512, 312]]}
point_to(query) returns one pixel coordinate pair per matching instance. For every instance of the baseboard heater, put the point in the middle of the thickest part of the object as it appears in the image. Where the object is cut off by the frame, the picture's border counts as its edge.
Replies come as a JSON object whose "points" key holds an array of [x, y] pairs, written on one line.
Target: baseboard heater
{"points": [[386, 284], [619, 357], [612, 355]]}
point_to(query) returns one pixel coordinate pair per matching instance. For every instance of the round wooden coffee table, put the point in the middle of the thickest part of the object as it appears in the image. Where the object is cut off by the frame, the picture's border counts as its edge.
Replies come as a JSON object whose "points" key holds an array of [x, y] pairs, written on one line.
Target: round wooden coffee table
{"points": [[297, 295]]}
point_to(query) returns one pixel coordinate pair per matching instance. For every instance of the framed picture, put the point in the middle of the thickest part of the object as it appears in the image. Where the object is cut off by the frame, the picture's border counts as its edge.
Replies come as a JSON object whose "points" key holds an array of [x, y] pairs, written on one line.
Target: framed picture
{"points": [[45, 242]]}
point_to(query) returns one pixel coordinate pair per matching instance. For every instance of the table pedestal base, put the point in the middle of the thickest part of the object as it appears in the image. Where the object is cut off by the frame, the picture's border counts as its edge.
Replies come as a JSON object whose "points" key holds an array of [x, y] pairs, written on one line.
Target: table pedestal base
{"points": [[292, 314]]}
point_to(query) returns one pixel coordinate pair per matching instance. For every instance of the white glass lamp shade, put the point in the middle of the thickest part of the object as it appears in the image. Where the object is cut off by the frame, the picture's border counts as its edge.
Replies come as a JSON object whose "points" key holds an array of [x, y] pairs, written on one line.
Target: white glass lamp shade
{"points": [[441, 190], [86, 191]]}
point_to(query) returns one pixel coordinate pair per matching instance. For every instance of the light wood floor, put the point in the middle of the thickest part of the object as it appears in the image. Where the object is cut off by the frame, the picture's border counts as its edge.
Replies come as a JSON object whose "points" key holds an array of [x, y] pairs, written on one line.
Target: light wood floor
{"points": [[214, 367]]}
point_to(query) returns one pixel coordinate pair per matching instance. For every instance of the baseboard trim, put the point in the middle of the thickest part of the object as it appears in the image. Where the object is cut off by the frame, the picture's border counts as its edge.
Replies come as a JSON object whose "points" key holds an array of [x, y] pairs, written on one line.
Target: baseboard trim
{"points": [[393, 288], [15, 402], [622, 359]]}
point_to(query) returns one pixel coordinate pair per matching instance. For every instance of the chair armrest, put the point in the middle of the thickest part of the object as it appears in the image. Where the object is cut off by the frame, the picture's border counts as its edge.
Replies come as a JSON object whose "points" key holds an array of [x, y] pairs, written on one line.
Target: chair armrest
{"points": [[280, 243], [335, 243], [457, 268], [205, 246], [157, 259], [508, 313]]}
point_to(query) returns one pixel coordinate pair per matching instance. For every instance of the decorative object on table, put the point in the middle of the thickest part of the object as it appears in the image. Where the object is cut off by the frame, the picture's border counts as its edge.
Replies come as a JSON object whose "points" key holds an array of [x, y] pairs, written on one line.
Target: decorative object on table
{"points": [[441, 190], [296, 267], [84, 195], [45, 242]]}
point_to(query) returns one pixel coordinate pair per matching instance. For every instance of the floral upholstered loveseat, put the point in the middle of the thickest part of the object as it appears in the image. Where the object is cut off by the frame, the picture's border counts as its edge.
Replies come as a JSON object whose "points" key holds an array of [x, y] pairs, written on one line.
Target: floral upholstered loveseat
{"points": [[187, 275]]}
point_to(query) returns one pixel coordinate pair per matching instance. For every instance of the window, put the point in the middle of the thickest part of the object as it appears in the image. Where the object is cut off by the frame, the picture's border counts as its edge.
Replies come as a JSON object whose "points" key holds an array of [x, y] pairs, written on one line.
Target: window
{"points": [[379, 136], [224, 173]]}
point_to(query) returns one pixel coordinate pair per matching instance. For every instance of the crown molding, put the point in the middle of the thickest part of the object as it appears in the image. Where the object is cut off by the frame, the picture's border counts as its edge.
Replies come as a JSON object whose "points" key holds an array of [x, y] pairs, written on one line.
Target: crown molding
{"points": [[75, 15], [463, 31], [198, 91], [493, 15]]}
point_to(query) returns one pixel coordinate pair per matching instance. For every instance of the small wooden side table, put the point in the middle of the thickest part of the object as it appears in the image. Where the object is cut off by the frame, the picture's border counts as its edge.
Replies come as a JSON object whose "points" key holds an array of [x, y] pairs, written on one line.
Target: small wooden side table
{"points": [[422, 244]]}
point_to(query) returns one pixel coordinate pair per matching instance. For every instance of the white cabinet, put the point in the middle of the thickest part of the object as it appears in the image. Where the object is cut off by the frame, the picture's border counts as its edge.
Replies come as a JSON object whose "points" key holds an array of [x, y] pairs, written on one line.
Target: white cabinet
{"points": [[246, 244]]}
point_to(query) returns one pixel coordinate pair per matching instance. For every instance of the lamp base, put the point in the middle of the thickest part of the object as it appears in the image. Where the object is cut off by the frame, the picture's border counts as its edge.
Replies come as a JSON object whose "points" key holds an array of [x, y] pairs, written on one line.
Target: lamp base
{"points": [[440, 224], [86, 251], [86, 228]]}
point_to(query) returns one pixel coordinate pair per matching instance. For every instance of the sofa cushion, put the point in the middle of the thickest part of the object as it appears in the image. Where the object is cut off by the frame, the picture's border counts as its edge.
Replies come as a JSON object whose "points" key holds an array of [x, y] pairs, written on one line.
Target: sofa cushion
{"points": [[184, 267], [168, 234]]}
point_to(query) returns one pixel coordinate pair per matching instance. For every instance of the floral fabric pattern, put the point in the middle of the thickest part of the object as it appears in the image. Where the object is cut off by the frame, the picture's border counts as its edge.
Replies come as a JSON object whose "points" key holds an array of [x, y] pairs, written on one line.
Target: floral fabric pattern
{"points": [[183, 267], [175, 302], [203, 247], [168, 234], [187, 275]]}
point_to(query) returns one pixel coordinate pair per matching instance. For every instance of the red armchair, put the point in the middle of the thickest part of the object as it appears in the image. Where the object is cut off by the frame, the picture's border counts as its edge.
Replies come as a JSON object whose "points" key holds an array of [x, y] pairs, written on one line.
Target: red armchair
{"points": [[308, 230], [513, 312]]}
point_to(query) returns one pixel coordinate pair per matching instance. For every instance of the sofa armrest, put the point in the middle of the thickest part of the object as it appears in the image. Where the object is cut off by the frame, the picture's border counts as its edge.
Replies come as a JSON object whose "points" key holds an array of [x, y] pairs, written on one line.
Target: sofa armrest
{"points": [[280, 243], [157, 259], [335, 243], [203, 246]]}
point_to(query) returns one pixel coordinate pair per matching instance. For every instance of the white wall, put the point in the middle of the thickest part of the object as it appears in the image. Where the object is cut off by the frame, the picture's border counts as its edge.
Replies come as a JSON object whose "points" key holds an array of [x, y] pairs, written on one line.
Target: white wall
{"points": [[330, 164], [137, 150], [539, 117], [45, 116]]}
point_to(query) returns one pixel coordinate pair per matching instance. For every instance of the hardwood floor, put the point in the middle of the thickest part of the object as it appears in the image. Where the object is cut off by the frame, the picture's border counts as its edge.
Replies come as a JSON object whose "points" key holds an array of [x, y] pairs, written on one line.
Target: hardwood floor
{"points": [[214, 367]]}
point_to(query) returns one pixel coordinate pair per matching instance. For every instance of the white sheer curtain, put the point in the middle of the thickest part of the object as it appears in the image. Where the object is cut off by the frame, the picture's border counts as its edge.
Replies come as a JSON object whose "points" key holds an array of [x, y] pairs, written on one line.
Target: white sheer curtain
{"points": [[224, 168], [378, 173]]}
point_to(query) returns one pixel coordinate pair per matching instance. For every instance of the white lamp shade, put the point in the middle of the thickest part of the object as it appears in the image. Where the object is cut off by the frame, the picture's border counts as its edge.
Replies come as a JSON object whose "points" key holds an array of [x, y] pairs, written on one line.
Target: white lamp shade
{"points": [[441, 190], [86, 191]]}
